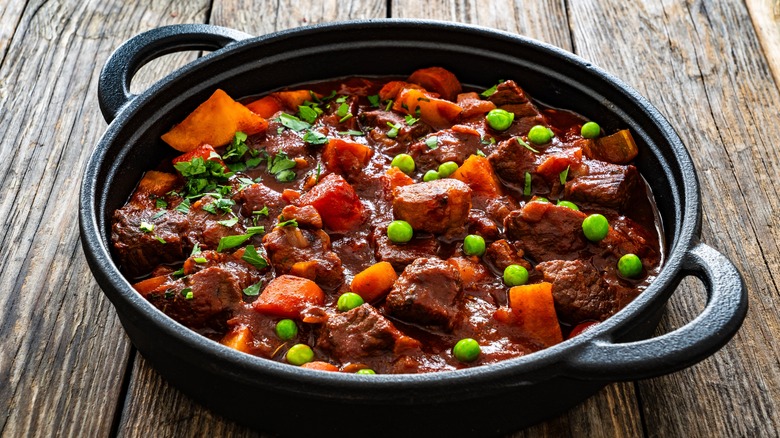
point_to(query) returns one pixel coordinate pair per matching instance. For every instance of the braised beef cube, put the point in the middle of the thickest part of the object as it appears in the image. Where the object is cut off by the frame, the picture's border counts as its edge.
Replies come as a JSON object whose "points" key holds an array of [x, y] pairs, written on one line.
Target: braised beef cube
{"points": [[511, 161], [546, 231], [381, 120], [426, 293], [480, 223], [142, 248], [204, 220], [499, 208], [338, 111], [256, 197], [361, 332], [306, 216], [154, 185], [401, 254], [502, 254], [436, 206], [473, 105], [337, 203], [605, 185], [579, 292], [306, 254], [455, 144], [203, 301], [628, 237], [286, 141], [508, 92]]}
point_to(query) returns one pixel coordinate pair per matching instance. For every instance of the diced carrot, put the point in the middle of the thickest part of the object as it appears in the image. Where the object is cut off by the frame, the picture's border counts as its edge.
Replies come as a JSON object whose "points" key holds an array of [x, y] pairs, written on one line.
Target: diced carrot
{"points": [[307, 269], [438, 113], [391, 89], [204, 151], [471, 270], [394, 178], [288, 295], [292, 99], [505, 315], [240, 338], [154, 184], [345, 157], [266, 107], [535, 309], [438, 80], [214, 122], [618, 148], [374, 282], [478, 174], [145, 287], [320, 366], [337, 203], [290, 195]]}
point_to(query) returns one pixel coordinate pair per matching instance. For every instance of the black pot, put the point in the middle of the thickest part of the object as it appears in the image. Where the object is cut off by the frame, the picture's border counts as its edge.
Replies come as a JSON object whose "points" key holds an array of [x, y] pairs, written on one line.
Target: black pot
{"points": [[483, 400]]}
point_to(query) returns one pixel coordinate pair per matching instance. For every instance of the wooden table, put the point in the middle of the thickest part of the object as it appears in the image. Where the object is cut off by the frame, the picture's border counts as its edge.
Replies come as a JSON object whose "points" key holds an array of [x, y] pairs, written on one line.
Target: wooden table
{"points": [[66, 365]]}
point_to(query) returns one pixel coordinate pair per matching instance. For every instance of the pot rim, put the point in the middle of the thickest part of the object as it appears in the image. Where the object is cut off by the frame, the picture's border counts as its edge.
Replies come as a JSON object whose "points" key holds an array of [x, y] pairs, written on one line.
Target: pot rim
{"points": [[546, 362]]}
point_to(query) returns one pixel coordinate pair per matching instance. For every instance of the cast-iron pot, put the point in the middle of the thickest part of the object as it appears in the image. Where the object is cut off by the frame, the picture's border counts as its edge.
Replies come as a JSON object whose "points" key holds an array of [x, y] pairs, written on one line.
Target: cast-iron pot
{"points": [[478, 401]]}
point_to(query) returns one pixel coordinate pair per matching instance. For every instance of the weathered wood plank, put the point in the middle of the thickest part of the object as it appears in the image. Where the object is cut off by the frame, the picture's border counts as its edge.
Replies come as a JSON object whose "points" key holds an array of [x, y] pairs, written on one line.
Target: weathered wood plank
{"points": [[766, 19], [10, 14], [152, 406], [718, 92], [63, 352]]}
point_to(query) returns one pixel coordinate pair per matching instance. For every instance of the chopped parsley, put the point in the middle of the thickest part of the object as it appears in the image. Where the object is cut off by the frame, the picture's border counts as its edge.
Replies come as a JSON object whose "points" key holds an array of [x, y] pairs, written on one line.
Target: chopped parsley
{"points": [[345, 118], [393, 132], [201, 175], [178, 274], [160, 203], [159, 214], [252, 257], [527, 187], [183, 207], [262, 212], [563, 175], [525, 145], [292, 122], [374, 100], [432, 142], [237, 148], [254, 289], [222, 204], [411, 120], [146, 227], [352, 132], [160, 239], [280, 166], [187, 293], [343, 109], [492, 90], [287, 223], [389, 105], [314, 137], [307, 113], [228, 242], [195, 250], [480, 153], [228, 222], [200, 260]]}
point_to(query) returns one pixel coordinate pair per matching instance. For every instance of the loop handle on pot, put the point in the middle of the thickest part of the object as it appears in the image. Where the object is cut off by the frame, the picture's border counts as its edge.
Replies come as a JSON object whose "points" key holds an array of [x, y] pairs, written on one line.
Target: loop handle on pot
{"points": [[721, 318], [114, 85]]}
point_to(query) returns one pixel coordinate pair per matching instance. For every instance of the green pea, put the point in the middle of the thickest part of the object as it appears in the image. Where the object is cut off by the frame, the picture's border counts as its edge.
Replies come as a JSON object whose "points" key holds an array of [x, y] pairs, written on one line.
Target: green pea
{"points": [[568, 204], [499, 119], [431, 175], [595, 227], [286, 329], [399, 231], [515, 275], [540, 134], [366, 371], [299, 354], [474, 245], [447, 169], [630, 266], [590, 130], [349, 301], [466, 350], [404, 162]]}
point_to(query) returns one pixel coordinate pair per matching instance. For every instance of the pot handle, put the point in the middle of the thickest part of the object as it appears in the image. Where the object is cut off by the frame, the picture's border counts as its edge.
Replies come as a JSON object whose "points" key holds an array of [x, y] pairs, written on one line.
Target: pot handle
{"points": [[114, 84], [726, 308]]}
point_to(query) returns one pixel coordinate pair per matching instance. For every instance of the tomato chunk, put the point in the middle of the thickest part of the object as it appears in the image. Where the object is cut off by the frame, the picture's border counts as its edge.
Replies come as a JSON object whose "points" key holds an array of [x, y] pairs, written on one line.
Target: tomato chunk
{"points": [[337, 203]]}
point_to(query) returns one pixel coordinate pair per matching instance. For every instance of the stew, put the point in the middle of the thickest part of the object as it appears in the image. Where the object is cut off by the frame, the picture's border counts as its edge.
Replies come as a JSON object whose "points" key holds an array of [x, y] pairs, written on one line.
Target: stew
{"points": [[390, 225]]}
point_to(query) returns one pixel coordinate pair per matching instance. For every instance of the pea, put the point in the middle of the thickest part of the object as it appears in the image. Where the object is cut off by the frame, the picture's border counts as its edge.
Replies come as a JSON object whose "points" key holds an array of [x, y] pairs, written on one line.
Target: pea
{"points": [[590, 130], [366, 371], [399, 231], [540, 134], [595, 227], [299, 354], [447, 169], [515, 275], [349, 301], [568, 204], [474, 245], [466, 350], [404, 162], [431, 175], [499, 119], [630, 266], [286, 329]]}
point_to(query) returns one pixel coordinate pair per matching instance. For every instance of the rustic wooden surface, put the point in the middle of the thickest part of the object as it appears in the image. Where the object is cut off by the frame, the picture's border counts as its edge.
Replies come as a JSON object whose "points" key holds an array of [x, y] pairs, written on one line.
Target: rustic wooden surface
{"points": [[66, 366]]}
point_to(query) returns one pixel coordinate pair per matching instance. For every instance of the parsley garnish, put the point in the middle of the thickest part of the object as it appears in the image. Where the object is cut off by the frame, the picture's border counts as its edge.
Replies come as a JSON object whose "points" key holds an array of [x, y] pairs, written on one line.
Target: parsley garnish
{"points": [[254, 289], [223, 204], [352, 132], [184, 206], [195, 250], [527, 187], [343, 109], [563, 175], [237, 148], [261, 212], [252, 257], [201, 175], [480, 153], [319, 171], [374, 100], [389, 104], [187, 293], [146, 227], [307, 113], [228, 242], [228, 222], [159, 214], [393, 132], [345, 118], [200, 260], [410, 120], [525, 145], [492, 90], [160, 239], [314, 137], [280, 167], [178, 274], [160, 203], [432, 142], [292, 122], [287, 223]]}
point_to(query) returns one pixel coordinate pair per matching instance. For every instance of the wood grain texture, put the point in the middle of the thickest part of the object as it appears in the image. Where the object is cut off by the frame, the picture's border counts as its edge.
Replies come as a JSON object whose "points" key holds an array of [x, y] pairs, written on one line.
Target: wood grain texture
{"points": [[63, 351], [766, 20], [718, 93]]}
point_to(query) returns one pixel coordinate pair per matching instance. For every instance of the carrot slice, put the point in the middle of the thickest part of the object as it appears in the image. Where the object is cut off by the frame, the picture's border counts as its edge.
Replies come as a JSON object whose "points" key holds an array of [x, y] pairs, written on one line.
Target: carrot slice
{"points": [[265, 107], [438, 113], [288, 296], [535, 309], [438, 80], [374, 282], [240, 338], [145, 287], [478, 174], [214, 122]]}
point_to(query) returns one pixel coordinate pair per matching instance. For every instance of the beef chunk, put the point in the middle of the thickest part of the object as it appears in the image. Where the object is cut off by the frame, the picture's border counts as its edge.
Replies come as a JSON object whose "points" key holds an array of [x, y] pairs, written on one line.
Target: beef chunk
{"points": [[511, 161], [379, 120], [305, 253], [140, 251], [426, 293], [306, 216], [337, 203], [361, 332], [502, 254], [454, 144], [605, 185], [480, 223], [510, 97], [257, 196], [401, 254], [546, 231], [288, 141], [499, 208], [579, 291], [473, 105], [436, 206], [204, 227]]}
